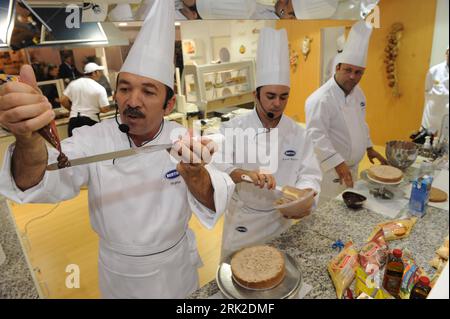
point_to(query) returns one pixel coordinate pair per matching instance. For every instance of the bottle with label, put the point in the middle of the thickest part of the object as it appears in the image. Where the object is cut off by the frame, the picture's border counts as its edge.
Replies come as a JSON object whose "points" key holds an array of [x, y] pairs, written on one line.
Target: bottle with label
{"points": [[427, 148], [421, 289], [394, 272]]}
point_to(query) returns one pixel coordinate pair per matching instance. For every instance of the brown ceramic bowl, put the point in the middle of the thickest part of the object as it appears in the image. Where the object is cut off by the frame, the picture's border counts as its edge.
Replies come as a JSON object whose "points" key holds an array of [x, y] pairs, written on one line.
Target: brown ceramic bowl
{"points": [[353, 200]]}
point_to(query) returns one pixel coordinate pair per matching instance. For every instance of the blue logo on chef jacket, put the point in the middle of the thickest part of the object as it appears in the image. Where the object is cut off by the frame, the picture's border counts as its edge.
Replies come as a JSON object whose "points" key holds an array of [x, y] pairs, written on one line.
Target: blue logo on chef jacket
{"points": [[241, 229], [172, 174], [290, 153]]}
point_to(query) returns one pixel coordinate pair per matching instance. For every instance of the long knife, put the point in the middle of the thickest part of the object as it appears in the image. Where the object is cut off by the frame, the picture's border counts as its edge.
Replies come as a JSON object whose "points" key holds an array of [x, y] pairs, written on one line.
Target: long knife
{"points": [[112, 155]]}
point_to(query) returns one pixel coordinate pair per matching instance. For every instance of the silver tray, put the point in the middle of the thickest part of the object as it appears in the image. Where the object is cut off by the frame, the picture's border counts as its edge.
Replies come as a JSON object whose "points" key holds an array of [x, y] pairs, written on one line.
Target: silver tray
{"points": [[288, 288]]}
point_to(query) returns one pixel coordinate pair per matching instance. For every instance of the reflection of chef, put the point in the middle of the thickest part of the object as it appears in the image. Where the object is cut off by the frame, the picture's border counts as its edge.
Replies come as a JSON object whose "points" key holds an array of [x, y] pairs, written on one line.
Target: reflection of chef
{"points": [[335, 117], [251, 218], [436, 97], [214, 9]]}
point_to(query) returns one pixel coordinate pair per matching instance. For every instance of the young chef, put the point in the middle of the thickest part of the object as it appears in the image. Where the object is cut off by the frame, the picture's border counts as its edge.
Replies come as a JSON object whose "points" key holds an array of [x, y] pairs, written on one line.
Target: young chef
{"points": [[251, 217], [335, 117], [139, 205]]}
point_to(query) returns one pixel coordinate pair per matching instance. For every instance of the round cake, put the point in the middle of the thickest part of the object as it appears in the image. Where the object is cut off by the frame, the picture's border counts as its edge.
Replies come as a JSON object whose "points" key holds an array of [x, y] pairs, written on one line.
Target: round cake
{"points": [[385, 173], [437, 195], [258, 267]]}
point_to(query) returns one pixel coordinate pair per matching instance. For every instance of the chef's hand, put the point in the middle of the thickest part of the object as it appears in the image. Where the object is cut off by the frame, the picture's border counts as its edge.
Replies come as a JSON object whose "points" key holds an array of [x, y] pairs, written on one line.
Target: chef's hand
{"points": [[299, 208], [372, 154], [345, 176], [23, 108], [193, 151], [259, 179]]}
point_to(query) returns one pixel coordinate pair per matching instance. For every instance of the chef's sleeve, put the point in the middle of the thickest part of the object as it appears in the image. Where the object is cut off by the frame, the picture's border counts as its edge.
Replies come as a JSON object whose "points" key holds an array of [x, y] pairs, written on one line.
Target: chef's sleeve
{"points": [[223, 190], [317, 126], [309, 174], [369, 140], [103, 98], [55, 186]]}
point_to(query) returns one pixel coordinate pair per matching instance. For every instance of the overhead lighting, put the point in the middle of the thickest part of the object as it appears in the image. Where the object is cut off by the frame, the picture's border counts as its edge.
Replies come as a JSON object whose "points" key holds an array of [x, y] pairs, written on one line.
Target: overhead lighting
{"points": [[123, 24], [177, 24]]}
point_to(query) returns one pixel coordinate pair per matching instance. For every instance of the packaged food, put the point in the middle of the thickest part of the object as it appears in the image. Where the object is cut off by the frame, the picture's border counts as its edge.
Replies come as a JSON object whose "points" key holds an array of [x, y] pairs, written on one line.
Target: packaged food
{"points": [[411, 274], [443, 252], [396, 229], [342, 268], [420, 195], [437, 263], [370, 285], [374, 252]]}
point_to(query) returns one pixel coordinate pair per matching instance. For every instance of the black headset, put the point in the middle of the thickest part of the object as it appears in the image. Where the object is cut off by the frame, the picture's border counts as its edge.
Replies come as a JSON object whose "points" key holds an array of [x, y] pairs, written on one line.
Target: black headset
{"points": [[270, 115], [124, 128]]}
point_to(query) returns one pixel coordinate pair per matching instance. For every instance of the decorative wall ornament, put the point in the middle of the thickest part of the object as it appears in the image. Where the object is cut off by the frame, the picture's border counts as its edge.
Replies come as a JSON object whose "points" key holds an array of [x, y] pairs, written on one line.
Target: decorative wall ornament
{"points": [[306, 47], [242, 49], [293, 58], [390, 60]]}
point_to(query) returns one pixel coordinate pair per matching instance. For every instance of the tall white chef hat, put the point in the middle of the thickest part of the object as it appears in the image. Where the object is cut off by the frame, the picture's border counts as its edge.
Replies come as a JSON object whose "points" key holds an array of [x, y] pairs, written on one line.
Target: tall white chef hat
{"points": [[314, 9], [153, 51], [272, 60], [340, 43], [226, 9], [357, 45]]}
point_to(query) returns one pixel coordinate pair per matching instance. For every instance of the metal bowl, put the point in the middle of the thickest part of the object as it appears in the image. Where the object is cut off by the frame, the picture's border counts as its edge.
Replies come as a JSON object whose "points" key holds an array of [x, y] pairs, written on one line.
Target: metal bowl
{"points": [[401, 154]]}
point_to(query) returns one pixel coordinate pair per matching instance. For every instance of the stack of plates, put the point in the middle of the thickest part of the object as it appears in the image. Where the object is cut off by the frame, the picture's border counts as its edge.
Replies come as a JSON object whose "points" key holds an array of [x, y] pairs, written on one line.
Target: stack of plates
{"points": [[287, 289]]}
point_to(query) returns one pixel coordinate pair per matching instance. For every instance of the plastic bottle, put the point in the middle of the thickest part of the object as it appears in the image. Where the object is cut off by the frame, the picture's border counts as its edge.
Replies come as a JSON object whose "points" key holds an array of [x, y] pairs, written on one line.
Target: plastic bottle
{"points": [[421, 289], [427, 150], [394, 272]]}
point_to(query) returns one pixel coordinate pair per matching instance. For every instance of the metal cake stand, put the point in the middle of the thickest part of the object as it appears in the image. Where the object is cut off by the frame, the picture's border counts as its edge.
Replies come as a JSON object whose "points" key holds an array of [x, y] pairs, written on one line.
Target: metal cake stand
{"points": [[383, 190], [287, 289]]}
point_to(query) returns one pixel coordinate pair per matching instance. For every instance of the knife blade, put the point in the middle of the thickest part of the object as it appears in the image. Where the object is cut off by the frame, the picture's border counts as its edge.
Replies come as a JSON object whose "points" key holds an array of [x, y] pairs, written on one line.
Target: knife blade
{"points": [[112, 155]]}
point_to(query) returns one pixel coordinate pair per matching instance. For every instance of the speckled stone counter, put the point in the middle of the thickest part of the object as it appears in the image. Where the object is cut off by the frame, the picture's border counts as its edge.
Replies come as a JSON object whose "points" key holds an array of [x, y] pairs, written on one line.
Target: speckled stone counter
{"points": [[16, 279], [310, 241]]}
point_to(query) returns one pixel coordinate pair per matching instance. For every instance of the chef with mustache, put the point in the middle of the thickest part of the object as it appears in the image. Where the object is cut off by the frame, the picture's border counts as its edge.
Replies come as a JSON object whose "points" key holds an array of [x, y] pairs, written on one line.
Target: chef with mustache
{"points": [[139, 205]]}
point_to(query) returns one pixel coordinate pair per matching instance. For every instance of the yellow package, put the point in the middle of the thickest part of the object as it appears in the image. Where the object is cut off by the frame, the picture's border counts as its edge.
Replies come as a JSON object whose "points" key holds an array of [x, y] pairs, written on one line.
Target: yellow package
{"points": [[369, 286], [342, 268], [396, 229]]}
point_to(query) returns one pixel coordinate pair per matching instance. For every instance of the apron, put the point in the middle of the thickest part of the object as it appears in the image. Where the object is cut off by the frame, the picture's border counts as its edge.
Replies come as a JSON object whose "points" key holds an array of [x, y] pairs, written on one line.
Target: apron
{"points": [[169, 274], [247, 226], [358, 145]]}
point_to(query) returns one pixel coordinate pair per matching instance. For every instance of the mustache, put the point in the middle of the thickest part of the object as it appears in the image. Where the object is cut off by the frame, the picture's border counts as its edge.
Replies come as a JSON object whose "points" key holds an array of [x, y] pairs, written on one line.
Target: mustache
{"points": [[135, 112]]}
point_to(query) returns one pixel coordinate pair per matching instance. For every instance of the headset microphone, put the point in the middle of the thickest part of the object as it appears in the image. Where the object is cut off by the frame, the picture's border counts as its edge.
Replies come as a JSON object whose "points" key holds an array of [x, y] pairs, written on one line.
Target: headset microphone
{"points": [[124, 128], [270, 115]]}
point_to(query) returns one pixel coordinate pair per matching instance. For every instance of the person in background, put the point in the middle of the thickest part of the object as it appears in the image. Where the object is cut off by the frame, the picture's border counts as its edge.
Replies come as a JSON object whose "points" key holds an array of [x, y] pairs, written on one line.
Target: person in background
{"points": [[67, 70], [103, 81], [140, 205], [50, 90], [251, 217], [85, 98], [335, 117], [436, 101], [37, 68]]}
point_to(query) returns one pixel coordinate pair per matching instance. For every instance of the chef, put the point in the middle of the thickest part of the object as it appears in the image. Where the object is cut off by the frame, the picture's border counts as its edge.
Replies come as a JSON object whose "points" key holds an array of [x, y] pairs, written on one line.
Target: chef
{"points": [[335, 117], [436, 97], [251, 217], [139, 205]]}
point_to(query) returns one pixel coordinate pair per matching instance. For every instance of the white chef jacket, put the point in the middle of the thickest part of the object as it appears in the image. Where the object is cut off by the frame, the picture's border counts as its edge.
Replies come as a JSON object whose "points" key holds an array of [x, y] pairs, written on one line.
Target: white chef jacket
{"points": [[336, 124], [87, 97], [251, 218], [436, 97], [138, 205]]}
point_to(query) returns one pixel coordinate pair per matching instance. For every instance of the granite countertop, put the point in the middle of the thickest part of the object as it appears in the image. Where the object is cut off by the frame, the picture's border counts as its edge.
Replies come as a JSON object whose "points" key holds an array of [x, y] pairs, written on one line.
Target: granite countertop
{"points": [[16, 277], [309, 242]]}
